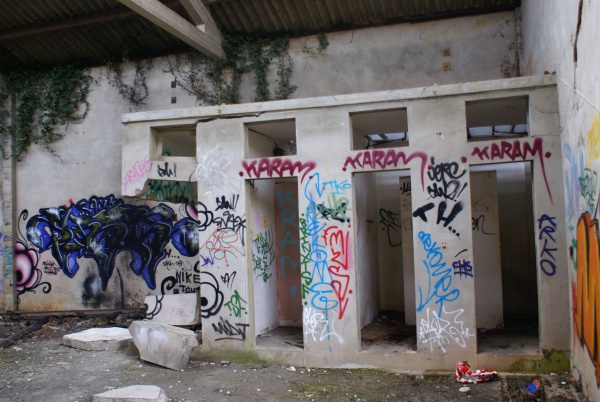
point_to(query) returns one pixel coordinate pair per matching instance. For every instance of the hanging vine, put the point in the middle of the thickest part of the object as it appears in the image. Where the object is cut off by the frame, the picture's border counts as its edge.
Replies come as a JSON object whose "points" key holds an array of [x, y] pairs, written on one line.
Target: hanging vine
{"points": [[216, 82], [44, 100], [136, 92]]}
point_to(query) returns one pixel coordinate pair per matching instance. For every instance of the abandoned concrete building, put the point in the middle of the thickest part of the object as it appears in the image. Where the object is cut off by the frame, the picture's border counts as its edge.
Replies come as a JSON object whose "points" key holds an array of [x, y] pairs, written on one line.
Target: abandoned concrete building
{"points": [[415, 185]]}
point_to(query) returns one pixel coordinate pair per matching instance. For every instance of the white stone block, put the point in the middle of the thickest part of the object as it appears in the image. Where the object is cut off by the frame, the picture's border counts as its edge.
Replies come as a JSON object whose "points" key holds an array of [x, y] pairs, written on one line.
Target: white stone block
{"points": [[181, 309], [99, 339], [163, 344], [134, 393]]}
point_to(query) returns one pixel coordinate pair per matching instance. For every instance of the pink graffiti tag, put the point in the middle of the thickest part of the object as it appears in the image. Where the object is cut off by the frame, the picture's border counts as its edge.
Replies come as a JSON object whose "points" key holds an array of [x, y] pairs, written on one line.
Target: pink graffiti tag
{"points": [[338, 241], [223, 243], [137, 172], [514, 151], [276, 167], [383, 159]]}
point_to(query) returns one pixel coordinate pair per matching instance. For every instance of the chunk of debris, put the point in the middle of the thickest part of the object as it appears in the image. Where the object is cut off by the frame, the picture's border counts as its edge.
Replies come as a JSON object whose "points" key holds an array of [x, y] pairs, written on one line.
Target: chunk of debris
{"points": [[162, 344], [133, 393], [113, 338]]}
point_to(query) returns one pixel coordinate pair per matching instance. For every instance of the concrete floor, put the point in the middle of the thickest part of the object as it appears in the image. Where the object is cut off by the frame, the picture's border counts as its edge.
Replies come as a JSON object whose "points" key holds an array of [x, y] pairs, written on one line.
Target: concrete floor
{"points": [[388, 334]]}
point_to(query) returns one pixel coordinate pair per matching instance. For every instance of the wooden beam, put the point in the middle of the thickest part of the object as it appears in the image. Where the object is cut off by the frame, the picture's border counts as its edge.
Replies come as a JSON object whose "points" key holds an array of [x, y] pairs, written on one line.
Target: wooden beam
{"points": [[200, 15], [208, 43]]}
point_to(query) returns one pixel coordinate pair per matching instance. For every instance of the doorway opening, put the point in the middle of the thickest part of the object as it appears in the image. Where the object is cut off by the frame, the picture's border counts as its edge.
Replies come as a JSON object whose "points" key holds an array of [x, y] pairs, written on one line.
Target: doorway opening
{"points": [[384, 283]]}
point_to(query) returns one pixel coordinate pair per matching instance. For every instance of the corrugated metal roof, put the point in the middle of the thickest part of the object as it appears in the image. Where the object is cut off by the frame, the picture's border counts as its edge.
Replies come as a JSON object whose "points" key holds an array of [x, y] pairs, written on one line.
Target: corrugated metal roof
{"points": [[34, 32]]}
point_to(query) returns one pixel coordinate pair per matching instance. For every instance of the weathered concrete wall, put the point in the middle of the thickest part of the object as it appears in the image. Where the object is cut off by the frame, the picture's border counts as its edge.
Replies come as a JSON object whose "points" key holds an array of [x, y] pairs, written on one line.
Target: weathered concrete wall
{"points": [[91, 164], [561, 37]]}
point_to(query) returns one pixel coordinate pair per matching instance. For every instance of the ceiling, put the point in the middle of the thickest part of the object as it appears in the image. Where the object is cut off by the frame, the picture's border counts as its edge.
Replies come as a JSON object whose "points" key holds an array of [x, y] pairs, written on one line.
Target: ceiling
{"points": [[91, 32]]}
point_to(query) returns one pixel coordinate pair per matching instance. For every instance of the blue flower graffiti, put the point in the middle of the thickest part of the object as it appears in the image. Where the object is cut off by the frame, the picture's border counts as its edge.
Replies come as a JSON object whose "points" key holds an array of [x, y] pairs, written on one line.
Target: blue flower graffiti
{"points": [[101, 227]]}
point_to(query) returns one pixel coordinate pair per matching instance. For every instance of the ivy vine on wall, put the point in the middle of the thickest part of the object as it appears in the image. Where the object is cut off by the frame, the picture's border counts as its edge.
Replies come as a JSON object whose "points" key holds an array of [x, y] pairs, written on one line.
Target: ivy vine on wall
{"points": [[41, 100], [136, 92], [217, 82]]}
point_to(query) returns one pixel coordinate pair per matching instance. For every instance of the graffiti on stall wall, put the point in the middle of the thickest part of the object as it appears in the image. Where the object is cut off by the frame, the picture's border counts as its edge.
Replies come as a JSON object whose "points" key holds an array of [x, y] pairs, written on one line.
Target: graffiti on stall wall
{"points": [[514, 151], [477, 224], [440, 332], [234, 332], [588, 188], [212, 168], [186, 279], [50, 267], [318, 326], [391, 224], [136, 173], [227, 279], [336, 209], [224, 244], [166, 171], [27, 276], [236, 304], [179, 192], [405, 188], [445, 180], [439, 277], [224, 203], [276, 167], [101, 227], [378, 158], [586, 305], [336, 188], [442, 206], [547, 228], [263, 254], [338, 242], [462, 268], [315, 258]]}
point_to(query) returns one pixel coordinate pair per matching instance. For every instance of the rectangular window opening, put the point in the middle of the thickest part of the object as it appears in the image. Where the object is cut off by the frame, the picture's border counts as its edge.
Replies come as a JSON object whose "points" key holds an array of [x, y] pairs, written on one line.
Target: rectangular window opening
{"points": [[379, 129], [493, 119]]}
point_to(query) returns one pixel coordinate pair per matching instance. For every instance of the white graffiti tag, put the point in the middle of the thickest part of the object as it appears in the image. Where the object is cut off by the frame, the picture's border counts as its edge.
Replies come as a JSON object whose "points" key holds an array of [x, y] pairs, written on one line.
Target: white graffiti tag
{"points": [[318, 327], [434, 330], [211, 170]]}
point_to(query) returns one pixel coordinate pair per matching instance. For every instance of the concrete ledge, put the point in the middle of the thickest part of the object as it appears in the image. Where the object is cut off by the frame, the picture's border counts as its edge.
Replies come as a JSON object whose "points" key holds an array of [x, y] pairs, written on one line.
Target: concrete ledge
{"points": [[133, 393], [99, 339]]}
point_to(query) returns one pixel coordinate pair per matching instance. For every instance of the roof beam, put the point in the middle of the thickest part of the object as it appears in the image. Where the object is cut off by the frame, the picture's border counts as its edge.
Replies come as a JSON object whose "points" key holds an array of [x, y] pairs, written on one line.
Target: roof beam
{"points": [[208, 42], [200, 15]]}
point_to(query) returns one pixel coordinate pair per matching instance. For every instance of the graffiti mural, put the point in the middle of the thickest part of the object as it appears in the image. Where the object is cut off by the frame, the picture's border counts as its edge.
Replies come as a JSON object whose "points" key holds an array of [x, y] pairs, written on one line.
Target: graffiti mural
{"points": [[586, 306], [100, 228], [326, 262], [439, 277], [136, 173]]}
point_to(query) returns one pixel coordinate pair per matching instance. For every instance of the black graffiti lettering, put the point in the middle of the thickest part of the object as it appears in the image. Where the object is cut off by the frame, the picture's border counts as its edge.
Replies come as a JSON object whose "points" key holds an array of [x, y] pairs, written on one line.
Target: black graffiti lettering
{"points": [[442, 208], [478, 224], [165, 171], [236, 332], [420, 212], [231, 204]]}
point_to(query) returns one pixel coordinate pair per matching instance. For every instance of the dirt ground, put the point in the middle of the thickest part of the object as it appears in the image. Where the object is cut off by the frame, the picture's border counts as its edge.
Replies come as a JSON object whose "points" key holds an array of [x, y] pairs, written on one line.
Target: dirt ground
{"points": [[37, 367]]}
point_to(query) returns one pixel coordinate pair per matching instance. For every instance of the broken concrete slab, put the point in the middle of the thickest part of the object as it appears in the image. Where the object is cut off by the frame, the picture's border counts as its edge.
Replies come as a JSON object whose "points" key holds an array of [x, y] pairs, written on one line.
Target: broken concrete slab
{"points": [[163, 344], [180, 309], [133, 393], [114, 338]]}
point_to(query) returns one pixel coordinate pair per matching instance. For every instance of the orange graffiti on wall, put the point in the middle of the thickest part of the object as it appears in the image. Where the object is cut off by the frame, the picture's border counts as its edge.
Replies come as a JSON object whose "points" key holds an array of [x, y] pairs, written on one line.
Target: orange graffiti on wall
{"points": [[586, 309]]}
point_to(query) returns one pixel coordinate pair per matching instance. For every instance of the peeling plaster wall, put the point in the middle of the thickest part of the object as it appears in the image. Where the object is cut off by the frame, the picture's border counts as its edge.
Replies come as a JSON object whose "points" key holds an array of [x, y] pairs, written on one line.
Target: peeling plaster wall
{"points": [[562, 37]]}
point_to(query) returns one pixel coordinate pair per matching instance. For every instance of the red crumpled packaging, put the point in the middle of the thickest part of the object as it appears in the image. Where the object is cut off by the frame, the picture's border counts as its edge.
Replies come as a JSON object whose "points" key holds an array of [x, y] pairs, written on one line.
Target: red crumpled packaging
{"points": [[464, 374]]}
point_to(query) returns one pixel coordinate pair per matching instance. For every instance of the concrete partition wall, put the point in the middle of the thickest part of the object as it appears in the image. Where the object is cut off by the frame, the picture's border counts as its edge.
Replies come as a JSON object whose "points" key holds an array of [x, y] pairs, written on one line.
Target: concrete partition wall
{"points": [[339, 287]]}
